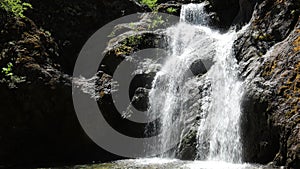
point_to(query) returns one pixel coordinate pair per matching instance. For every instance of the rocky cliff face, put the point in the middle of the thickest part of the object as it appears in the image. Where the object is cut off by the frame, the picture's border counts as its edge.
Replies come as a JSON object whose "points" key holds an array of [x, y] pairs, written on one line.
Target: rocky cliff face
{"points": [[72, 22], [38, 122], [268, 54]]}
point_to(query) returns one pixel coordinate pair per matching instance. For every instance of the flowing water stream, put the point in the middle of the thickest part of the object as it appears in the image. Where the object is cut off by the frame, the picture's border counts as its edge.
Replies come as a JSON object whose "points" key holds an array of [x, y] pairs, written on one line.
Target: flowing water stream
{"points": [[210, 91], [191, 41]]}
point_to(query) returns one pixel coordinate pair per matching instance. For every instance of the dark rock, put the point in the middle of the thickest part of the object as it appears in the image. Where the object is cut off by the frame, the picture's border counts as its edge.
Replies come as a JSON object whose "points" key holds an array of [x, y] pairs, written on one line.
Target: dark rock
{"points": [[119, 48], [139, 90], [246, 8], [72, 22], [260, 138], [140, 99], [200, 67], [271, 23], [231, 12], [187, 149], [141, 80], [38, 124], [271, 106]]}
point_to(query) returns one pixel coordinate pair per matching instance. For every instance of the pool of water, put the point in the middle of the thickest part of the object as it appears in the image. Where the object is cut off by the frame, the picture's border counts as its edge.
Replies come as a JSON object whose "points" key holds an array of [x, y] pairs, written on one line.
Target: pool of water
{"points": [[158, 163]]}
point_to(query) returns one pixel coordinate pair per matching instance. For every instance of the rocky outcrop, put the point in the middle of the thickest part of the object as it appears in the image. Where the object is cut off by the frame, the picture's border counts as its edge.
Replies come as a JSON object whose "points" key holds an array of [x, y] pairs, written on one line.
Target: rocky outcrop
{"points": [[38, 122], [223, 14], [285, 107], [43, 128], [268, 56], [72, 22], [119, 49], [187, 149], [230, 12]]}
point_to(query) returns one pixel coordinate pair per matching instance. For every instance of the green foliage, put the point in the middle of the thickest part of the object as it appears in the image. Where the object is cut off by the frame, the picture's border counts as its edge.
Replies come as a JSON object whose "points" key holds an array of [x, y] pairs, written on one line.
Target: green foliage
{"points": [[156, 21], [8, 70], [171, 10], [134, 40], [128, 45], [10, 78], [17, 7], [152, 4]]}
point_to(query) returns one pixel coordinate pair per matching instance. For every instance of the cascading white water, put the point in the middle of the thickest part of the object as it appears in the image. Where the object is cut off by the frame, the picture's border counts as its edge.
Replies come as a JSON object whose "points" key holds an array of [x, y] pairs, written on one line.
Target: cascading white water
{"points": [[194, 14], [174, 92], [219, 132]]}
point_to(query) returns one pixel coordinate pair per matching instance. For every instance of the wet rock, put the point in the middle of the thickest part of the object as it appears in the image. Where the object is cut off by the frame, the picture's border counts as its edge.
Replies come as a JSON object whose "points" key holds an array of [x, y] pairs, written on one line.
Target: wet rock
{"points": [[139, 90], [200, 67], [187, 149], [140, 99]]}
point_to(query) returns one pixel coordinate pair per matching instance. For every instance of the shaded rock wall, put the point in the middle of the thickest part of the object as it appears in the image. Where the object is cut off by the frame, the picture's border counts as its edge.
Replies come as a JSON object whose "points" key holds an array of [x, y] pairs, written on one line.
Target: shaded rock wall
{"points": [[38, 123], [72, 22], [268, 56]]}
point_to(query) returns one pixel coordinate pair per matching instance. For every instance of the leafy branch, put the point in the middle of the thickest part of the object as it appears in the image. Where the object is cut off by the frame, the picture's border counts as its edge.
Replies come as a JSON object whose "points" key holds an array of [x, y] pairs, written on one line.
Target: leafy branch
{"points": [[17, 7], [152, 4], [10, 77]]}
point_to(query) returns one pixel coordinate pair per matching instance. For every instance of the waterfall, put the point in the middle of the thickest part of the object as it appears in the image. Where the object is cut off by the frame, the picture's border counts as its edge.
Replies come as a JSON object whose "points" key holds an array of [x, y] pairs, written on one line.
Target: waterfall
{"points": [[219, 132], [176, 90], [194, 14]]}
